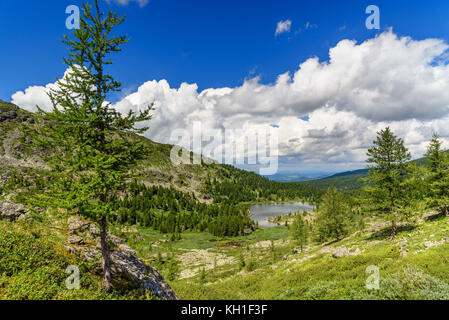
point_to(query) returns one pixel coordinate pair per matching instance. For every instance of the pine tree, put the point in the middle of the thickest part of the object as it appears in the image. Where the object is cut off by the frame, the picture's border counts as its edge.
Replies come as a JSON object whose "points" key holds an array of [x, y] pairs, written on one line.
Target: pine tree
{"points": [[300, 230], [94, 146], [388, 174], [438, 179], [203, 277], [332, 220]]}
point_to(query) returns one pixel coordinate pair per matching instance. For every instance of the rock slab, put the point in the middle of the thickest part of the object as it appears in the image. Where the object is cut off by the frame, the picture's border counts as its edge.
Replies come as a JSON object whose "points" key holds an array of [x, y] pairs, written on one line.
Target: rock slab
{"points": [[11, 211]]}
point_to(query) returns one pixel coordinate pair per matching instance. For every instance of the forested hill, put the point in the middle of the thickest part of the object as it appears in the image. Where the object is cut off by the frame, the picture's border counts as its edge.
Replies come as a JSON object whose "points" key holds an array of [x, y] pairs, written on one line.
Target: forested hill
{"points": [[349, 180], [208, 182]]}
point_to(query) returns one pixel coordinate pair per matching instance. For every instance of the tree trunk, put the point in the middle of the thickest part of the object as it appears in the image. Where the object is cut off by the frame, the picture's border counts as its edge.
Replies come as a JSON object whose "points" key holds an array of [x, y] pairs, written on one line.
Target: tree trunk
{"points": [[106, 255], [393, 229], [446, 210]]}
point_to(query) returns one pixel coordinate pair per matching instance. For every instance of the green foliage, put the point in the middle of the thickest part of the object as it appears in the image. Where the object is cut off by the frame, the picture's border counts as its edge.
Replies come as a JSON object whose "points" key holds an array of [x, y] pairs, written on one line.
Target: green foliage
{"points": [[417, 188], [93, 139], [172, 211], [423, 275], [232, 185], [411, 284], [347, 182], [388, 174], [242, 262], [33, 264], [203, 275], [320, 290], [438, 178], [94, 148], [172, 269], [300, 230], [332, 222]]}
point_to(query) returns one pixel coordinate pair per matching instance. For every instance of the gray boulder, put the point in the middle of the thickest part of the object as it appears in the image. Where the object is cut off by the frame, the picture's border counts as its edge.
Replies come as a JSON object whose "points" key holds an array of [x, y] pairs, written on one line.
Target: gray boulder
{"points": [[148, 277], [75, 240], [77, 225], [345, 252], [11, 211], [126, 262]]}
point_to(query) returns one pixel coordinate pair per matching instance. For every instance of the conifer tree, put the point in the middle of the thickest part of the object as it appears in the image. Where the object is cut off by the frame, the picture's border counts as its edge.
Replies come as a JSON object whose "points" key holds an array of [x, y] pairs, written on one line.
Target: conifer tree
{"points": [[388, 174], [332, 220], [93, 147], [300, 230], [438, 178]]}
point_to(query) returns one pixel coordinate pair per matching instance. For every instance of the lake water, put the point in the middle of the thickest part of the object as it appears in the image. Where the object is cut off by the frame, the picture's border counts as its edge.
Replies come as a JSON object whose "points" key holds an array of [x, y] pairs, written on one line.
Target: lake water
{"points": [[261, 212]]}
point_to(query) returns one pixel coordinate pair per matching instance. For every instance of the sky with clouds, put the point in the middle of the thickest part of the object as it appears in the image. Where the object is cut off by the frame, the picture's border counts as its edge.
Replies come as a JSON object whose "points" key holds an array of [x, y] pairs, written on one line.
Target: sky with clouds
{"points": [[323, 81]]}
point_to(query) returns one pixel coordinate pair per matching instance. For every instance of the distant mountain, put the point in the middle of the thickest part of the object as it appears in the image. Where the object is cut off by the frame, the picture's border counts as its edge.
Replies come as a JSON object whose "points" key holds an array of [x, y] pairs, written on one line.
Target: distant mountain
{"points": [[349, 180], [298, 176], [360, 172]]}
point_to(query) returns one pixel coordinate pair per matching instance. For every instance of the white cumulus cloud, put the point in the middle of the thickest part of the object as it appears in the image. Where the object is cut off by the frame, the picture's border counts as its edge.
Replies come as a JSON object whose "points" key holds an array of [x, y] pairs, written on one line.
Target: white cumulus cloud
{"points": [[360, 89]]}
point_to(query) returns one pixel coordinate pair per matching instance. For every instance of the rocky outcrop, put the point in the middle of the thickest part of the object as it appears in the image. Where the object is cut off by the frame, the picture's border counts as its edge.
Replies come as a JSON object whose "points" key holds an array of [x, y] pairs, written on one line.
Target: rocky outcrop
{"points": [[431, 244], [148, 277], [124, 259], [248, 231], [12, 211], [345, 252], [10, 112], [75, 240]]}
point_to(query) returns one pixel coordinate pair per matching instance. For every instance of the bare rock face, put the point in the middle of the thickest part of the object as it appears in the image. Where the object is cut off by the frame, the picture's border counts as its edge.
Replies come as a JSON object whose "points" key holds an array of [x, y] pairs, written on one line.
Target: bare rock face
{"points": [[402, 245], [431, 244], [148, 277], [75, 240], [77, 225], [11, 211], [85, 252], [345, 252], [325, 250]]}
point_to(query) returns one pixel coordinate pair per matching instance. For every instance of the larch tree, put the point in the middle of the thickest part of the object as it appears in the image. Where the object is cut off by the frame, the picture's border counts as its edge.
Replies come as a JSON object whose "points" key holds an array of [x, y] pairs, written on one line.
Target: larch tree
{"points": [[300, 230], [389, 171], [332, 220], [438, 178], [93, 148]]}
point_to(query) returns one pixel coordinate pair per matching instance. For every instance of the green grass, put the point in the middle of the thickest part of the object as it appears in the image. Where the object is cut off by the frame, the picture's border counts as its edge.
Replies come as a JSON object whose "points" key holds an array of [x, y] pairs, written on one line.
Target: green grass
{"points": [[274, 234], [33, 263], [146, 237], [33, 266], [325, 278], [422, 274]]}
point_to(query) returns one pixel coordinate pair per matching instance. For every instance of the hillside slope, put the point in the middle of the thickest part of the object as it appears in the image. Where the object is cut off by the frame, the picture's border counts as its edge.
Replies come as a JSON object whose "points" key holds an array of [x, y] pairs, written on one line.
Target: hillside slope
{"points": [[349, 180], [413, 266], [162, 195], [205, 181]]}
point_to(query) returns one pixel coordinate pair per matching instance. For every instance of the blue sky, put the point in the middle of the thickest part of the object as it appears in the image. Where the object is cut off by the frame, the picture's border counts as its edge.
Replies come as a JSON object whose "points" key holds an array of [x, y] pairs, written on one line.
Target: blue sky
{"points": [[211, 43], [326, 112]]}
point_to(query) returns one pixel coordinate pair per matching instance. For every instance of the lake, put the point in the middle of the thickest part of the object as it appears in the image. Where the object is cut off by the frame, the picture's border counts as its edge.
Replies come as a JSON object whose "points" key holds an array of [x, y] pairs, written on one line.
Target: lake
{"points": [[261, 212]]}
